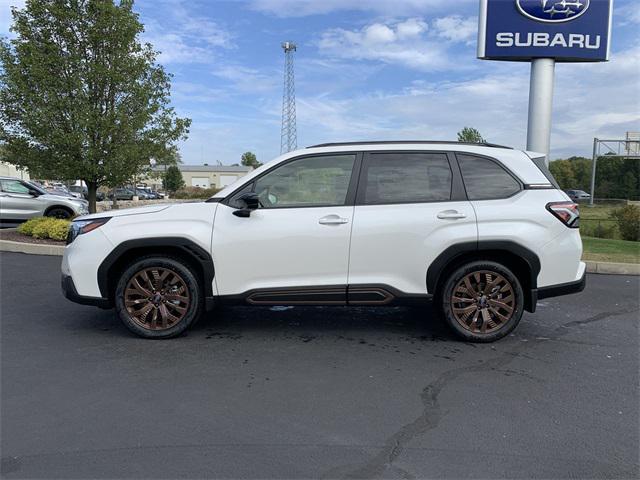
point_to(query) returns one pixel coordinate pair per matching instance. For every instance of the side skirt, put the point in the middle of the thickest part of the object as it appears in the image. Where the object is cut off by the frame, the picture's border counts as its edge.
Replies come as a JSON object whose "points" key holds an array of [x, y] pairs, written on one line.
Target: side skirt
{"points": [[344, 295]]}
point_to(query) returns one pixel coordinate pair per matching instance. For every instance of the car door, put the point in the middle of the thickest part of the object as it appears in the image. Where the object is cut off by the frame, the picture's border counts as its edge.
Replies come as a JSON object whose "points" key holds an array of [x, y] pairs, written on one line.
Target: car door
{"points": [[16, 203], [410, 206], [297, 242]]}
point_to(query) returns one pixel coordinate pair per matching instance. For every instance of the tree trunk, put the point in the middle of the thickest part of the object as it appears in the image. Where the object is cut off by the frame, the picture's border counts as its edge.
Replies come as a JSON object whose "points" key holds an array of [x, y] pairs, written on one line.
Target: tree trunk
{"points": [[92, 188]]}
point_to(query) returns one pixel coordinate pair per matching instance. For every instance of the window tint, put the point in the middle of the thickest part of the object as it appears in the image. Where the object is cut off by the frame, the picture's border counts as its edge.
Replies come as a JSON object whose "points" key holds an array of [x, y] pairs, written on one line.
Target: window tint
{"points": [[308, 182], [13, 186], [485, 179], [407, 178]]}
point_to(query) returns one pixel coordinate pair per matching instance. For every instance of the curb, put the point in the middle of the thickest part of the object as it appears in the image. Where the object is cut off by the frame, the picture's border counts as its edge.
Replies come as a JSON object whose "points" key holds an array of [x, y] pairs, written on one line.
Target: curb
{"points": [[613, 268], [31, 248]]}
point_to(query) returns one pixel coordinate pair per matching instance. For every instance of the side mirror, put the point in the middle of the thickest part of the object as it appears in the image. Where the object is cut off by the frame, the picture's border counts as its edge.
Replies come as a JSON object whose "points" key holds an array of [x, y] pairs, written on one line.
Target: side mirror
{"points": [[251, 202], [33, 192]]}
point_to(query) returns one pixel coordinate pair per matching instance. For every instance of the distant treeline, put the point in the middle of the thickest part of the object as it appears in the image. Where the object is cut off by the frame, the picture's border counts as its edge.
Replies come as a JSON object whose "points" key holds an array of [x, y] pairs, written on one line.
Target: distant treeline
{"points": [[616, 177]]}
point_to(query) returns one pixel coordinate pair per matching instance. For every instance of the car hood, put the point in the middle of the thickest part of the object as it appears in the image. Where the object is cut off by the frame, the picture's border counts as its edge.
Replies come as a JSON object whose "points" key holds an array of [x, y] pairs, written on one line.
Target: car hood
{"points": [[54, 197], [127, 211]]}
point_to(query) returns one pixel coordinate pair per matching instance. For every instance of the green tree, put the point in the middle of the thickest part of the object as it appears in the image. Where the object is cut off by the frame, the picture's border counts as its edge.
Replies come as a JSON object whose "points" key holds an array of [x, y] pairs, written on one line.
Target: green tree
{"points": [[470, 135], [81, 97], [172, 180], [249, 159]]}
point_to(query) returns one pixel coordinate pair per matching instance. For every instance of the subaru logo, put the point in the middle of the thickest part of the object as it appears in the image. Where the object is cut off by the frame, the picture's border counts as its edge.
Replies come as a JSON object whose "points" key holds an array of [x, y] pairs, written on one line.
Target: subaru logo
{"points": [[552, 11]]}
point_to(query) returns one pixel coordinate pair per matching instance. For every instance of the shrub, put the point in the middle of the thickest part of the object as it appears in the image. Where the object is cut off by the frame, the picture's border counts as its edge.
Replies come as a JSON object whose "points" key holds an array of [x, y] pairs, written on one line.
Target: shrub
{"points": [[628, 218], [195, 193], [598, 229], [46, 227], [27, 227]]}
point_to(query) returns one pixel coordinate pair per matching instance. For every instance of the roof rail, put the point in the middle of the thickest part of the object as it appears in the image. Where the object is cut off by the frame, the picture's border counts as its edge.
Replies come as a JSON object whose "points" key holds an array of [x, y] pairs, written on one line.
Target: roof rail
{"points": [[425, 142]]}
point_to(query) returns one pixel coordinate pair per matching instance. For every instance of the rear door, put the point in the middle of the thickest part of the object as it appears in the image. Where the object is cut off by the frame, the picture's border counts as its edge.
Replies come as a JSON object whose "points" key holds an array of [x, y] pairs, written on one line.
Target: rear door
{"points": [[410, 206]]}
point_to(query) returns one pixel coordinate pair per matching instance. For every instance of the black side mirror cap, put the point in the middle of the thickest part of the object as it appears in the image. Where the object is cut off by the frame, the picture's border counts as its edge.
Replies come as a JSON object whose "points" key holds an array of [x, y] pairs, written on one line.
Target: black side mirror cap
{"points": [[33, 192], [251, 202]]}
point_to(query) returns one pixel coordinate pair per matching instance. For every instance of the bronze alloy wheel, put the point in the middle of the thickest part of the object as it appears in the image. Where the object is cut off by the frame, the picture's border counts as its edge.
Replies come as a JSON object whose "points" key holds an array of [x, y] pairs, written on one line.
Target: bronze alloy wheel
{"points": [[157, 298], [483, 301]]}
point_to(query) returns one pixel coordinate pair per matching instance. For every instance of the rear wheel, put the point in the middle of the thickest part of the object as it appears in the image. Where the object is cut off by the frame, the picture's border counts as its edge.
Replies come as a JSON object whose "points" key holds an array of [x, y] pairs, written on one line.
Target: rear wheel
{"points": [[482, 301], [158, 297]]}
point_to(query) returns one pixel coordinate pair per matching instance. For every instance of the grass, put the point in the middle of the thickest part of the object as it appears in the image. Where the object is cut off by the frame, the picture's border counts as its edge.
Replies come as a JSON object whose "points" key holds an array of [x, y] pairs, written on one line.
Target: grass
{"points": [[597, 212], [605, 250]]}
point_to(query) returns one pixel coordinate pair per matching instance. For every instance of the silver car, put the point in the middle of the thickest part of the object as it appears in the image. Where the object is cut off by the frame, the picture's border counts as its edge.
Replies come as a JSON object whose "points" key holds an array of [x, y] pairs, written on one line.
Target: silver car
{"points": [[22, 200]]}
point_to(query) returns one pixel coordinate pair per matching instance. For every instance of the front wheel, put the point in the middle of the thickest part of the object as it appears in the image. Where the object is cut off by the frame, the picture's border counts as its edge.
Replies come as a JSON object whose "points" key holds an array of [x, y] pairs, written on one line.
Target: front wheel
{"points": [[59, 212], [158, 297], [482, 301]]}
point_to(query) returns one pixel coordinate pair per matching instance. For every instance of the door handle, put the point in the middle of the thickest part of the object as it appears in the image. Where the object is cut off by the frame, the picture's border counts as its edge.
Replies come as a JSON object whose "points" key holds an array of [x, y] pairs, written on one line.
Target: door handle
{"points": [[333, 220], [451, 215]]}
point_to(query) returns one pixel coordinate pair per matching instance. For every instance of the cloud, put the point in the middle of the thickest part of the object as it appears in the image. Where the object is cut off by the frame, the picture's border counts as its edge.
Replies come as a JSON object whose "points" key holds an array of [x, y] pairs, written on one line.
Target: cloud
{"points": [[494, 101], [404, 43], [185, 38], [248, 80], [457, 28], [302, 8]]}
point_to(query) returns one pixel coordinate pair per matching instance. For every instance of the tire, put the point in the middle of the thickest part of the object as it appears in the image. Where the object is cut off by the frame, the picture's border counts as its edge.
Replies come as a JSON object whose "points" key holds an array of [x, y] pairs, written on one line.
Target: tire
{"points": [[59, 212], [482, 314], [158, 297]]}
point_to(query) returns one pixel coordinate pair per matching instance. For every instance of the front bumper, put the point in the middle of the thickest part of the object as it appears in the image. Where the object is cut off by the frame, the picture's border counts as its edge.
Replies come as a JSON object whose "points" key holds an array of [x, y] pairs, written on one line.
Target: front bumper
{"points": [[69, 291]]}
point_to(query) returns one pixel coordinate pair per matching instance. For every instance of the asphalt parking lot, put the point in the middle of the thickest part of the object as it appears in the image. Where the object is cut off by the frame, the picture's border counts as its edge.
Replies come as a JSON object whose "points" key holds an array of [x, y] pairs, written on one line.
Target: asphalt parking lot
{"points": [[316, 392]]}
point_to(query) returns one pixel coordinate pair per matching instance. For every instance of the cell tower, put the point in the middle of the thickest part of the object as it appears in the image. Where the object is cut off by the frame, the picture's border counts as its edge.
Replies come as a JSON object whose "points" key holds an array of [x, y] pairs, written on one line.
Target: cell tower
{"points": [[288, 133]]}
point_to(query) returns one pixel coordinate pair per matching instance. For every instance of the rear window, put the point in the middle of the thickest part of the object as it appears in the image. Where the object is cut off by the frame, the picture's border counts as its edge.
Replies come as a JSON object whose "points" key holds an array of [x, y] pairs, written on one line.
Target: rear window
{"points": [[539, 162], [484, 179]]}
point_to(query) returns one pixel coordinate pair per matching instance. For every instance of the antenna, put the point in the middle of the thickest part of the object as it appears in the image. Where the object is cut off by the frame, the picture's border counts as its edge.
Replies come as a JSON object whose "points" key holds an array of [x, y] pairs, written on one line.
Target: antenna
{"points": [[288, 133]]}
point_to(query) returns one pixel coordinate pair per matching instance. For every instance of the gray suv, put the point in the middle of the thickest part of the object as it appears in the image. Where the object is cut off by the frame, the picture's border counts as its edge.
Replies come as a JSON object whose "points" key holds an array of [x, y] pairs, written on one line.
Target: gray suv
{"points": [[21, 200]]}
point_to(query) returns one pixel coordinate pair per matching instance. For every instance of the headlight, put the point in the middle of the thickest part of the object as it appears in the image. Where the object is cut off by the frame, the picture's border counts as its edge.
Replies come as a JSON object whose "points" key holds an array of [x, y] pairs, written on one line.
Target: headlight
{"points": [[80, 227]]}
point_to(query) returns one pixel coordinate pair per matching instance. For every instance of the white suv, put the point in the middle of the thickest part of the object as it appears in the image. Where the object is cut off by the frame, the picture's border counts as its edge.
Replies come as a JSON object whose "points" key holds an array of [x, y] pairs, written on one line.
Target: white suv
{"points": [[482, 230]]}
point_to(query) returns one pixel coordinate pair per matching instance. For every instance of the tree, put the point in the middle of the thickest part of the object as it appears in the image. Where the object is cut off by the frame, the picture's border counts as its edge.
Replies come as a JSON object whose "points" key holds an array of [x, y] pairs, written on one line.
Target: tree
{"points": [[249, 159], [172, 180], [81, 97], [470, 135]]}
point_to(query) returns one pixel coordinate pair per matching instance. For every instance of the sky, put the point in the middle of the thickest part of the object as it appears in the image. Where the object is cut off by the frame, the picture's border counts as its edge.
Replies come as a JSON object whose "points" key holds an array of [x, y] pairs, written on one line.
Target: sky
{"points": [[370, 70]]}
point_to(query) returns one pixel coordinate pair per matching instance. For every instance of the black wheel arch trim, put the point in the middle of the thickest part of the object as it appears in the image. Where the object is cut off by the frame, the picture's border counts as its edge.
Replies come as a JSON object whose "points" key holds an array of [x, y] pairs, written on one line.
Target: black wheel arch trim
{"points": [[194, 251], [450, 254]]}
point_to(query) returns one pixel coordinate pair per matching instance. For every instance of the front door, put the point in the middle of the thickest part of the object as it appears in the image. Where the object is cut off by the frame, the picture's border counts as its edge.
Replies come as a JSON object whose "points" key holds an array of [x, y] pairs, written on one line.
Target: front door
{"points": [[16, 203], [296, 245]]}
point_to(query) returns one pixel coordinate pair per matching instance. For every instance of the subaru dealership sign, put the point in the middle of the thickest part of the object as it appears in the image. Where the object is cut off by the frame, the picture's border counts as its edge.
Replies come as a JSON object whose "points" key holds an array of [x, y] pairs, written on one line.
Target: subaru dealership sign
{"points": [[564, 30]]}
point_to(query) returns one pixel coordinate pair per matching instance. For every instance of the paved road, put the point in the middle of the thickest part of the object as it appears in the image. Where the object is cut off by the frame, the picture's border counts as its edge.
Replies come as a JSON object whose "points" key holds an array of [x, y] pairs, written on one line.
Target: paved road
{"points": [[316, 392]]}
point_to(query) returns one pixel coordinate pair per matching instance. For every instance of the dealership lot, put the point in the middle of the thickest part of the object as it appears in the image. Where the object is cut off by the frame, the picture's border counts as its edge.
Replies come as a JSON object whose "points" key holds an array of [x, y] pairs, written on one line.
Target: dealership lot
{"points": [[316, 392]]}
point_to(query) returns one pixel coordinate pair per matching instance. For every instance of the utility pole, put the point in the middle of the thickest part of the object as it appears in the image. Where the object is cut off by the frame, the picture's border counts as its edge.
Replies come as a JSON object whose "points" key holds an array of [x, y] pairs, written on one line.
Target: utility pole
{"points": [[288, 132], [540, 105]]}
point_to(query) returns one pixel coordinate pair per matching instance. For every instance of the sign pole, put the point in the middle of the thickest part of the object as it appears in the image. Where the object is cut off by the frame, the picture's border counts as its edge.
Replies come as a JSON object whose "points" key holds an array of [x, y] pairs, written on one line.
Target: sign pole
{"points": [[540, 105]]}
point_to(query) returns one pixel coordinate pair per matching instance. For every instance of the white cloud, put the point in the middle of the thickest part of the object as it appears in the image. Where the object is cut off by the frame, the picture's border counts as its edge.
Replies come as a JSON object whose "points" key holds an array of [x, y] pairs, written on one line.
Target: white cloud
{"points": [[456, 28], [302, 8], [248, 80], [590, 100], [404, 43], [628, 14], [188, 39]]}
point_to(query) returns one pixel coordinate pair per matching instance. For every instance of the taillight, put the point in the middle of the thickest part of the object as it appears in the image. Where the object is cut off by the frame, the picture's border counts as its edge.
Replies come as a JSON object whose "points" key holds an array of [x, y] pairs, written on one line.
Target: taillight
{"points": [[566, 212]]}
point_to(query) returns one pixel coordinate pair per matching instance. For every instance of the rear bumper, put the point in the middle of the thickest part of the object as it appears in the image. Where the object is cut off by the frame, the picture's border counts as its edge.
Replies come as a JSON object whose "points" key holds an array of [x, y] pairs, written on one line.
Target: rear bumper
{"points": [[69, 291], [563, 288]]}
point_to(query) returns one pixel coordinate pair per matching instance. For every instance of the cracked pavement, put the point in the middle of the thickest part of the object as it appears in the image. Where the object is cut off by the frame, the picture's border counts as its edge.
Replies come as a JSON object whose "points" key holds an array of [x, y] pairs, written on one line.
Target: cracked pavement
{"points": [[316, 392]]}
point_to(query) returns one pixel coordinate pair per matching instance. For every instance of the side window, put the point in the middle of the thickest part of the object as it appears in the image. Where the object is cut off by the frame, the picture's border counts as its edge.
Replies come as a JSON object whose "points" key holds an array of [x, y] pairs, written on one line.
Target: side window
{"points": [[484, 179], [406, 178], [307, 182], [13, 186]]}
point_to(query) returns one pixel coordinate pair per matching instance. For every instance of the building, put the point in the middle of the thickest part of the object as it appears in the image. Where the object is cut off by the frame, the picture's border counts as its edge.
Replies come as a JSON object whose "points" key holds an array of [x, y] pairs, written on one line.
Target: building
{"points": [[204, 176], [8, 170]]}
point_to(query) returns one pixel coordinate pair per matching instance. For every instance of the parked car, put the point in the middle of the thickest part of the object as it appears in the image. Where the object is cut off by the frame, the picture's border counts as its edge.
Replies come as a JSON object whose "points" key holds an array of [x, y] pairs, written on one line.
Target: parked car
{"points": [[143, 194], [578, 195], [84, 192], [482, 230], [21, 200], [121, 194]]}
